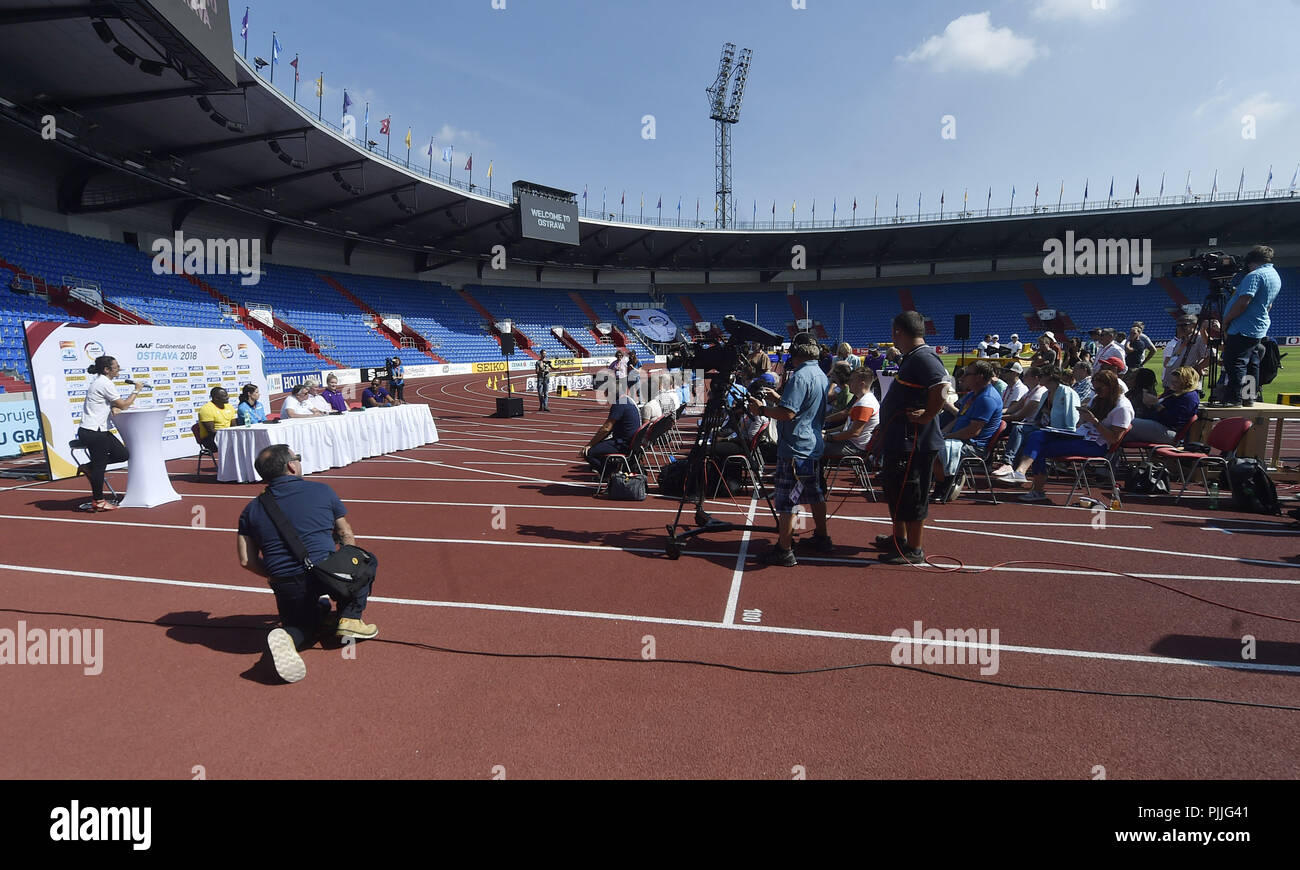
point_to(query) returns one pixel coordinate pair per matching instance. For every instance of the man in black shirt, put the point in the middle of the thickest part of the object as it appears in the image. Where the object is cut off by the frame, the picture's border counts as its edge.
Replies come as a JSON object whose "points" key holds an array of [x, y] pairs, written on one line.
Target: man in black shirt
{"points": [[910, 438]]}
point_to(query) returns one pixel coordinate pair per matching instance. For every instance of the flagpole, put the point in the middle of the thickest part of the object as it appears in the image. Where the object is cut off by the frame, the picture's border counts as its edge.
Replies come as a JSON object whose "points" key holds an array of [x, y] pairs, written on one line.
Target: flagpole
{"points": [[320, 103], [272, 57], [1060, 196], [245, 28], [388, 139], [367, 130], [295, 78], [431, 157]]}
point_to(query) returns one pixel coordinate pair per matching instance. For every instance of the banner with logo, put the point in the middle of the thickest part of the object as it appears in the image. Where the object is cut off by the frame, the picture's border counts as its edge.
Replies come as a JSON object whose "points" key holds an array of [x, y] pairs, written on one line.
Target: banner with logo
{"points": [[653, 323], [180, 367], [19, 431]]}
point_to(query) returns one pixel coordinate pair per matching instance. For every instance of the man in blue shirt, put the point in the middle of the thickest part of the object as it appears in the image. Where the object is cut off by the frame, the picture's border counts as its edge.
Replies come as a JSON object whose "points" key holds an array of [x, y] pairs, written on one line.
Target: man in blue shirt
{"points": [[375, 396], [800, 417], [969, 433], [614, 435], [319, 518], [1245, 324]]}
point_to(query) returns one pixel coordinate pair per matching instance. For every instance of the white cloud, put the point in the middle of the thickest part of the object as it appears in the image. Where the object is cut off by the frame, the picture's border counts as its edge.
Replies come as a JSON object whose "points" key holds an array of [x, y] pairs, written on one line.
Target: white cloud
{"points": [[463, 140], [1075, 10], [1262, 106], [1217, 98], [972, 43]]}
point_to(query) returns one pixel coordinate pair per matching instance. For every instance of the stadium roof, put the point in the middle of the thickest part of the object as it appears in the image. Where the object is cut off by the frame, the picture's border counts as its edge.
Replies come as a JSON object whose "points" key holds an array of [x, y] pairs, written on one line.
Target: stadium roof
{"points": [[143, 121]]}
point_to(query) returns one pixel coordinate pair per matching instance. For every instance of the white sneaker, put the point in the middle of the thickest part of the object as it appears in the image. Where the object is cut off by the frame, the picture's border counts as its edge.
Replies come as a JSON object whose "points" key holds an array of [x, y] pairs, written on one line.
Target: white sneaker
{"points": [[288, 664], [1003, 471], [1014, 477]]}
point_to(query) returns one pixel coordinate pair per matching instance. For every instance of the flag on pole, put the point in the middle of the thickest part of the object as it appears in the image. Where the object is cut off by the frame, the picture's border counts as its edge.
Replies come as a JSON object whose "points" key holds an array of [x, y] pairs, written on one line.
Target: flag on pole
{"points": [[1294, 176], [1111, 196], [408, 138], [384, 125], [275, 49], [367, 121], [1013, 197], [988, 205], [489, 175], [584, 197], [320, 86], [469, 164], [1214, 188], [755, 221], [1137, 188], [1085, 193], [347, 102], [1188, 186], [447, 154], [835, 205], [965, 195], [1162, 186], [1241, 184], [294, 63], [1268, 184], [1060, 196], [1035, 196], [243, 28], [428, 152]]}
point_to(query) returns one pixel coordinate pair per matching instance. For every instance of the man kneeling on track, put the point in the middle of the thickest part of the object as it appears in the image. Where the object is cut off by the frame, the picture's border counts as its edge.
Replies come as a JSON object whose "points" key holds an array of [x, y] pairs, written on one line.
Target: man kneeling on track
{"points": [[800, 417], [320, 519]]}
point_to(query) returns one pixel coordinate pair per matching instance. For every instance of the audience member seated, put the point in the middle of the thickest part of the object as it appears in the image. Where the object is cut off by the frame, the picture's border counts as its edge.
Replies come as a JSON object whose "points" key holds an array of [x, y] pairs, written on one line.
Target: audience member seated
{"points": [[1016, 346], [968, 435], [1059, 410], [844, 354], [317, 401], [216, 414], [251, 408], [333, 395], [1109, 349], [874, 361], [652, 410], [1021, 414], [1143, 393], [1082, 376], [838, 397], [299, 404], [1016, 388], [1190, 347], [762, 364], [1173, 409], [614, 435], [1048, 351], [1100, 429], [860, 421], [375, 396]]}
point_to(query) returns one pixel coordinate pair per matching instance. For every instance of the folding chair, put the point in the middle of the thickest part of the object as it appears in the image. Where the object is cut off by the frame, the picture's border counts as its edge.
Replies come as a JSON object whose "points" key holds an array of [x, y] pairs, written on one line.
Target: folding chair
{"points": [[204, 450], [1079, 466], [751, 461], [74, 446], [1225, 437], [631, 461], [658, 442], [1145, 449], [981, 463]]}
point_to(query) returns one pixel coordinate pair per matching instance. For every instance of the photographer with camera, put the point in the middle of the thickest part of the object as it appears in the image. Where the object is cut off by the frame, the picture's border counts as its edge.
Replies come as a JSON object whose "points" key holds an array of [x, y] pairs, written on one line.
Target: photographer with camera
{"points": [[397, 379], [1246, 323], [1190, 347], [800, 417], [542, 368]]}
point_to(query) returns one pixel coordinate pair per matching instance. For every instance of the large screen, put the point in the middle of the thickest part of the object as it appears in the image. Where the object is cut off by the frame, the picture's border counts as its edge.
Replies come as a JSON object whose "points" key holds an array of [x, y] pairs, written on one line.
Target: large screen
{"points": [[204, 24], [548, 220]]}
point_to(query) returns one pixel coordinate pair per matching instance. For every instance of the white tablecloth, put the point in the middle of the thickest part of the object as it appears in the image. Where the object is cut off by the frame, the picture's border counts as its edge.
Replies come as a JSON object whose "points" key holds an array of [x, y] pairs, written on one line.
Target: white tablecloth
{"points": [[326, 442]]}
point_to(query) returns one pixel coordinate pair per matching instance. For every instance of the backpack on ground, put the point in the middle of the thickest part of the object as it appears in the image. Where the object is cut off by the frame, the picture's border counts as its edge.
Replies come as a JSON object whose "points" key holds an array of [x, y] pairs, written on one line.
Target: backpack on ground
{"points": [[1147, 478], [1252, 490]]}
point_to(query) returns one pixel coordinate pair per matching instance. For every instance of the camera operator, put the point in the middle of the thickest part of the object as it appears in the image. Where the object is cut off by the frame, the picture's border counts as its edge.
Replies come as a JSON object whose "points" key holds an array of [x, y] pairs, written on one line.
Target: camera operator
{"points": [[800, 418], [543, 369], [397, 379], [1246, 323]]}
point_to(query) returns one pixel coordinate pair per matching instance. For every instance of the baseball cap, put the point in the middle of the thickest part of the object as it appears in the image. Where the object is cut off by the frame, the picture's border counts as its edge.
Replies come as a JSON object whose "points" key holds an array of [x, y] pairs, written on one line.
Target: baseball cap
{"points": [[1014, 367], [1113, 362], [1187, 318], [1015, 337], [1049, 335]]}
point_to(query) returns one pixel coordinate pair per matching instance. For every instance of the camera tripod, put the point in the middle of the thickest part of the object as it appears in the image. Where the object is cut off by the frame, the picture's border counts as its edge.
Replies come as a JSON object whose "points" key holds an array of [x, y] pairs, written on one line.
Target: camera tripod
{"points": [[716, 416], [1211, 311]]}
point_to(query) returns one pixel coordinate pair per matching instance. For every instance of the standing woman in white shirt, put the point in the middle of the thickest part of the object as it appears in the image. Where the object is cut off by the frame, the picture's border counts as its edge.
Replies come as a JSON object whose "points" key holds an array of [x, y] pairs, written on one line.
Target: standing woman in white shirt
{"points": [[102, 400]]}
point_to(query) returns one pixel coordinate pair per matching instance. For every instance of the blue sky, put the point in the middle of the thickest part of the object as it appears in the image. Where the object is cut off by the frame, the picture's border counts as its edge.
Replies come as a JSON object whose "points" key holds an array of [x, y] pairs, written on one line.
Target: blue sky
{"points": [[845, 98]]}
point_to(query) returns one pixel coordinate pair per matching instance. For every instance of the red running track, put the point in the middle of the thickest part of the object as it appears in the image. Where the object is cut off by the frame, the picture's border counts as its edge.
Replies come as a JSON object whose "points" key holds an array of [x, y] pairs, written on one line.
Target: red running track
{"points": [[500, 572]]}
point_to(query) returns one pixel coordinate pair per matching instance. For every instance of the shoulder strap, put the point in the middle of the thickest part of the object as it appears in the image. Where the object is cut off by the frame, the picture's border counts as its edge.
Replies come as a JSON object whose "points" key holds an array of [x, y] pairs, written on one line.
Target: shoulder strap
{"points": [[282, 525]]}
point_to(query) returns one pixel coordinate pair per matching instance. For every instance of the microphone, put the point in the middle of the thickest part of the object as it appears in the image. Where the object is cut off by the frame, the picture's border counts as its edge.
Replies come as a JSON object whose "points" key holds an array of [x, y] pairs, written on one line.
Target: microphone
{"points": [[129, 382]]}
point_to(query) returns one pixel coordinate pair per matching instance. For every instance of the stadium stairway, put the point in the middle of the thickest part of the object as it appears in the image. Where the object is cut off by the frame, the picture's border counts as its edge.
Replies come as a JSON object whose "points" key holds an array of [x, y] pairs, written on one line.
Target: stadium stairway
{"points": [[800, 312], [616, 336], [522, 341], [906, 302], [419, 342], [1060, 325]]}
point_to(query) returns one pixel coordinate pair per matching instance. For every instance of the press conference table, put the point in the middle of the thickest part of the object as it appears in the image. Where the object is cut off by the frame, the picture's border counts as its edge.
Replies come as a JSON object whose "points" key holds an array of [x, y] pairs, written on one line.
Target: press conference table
{"points": [[325, 442]]}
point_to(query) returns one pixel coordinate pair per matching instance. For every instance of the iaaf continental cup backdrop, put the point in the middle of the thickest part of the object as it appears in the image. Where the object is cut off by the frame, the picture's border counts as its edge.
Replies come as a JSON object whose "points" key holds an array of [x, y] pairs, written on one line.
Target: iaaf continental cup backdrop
{"points": [[179, 366]]}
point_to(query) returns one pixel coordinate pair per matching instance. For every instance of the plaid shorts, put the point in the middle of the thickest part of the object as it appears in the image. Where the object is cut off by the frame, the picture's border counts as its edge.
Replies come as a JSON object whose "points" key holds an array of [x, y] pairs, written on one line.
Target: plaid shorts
{"points": [[788, 471]]}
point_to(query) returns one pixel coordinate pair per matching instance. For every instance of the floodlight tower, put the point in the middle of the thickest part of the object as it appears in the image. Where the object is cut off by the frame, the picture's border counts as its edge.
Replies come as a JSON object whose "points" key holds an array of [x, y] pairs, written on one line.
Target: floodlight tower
{"points": [[726, 114]]}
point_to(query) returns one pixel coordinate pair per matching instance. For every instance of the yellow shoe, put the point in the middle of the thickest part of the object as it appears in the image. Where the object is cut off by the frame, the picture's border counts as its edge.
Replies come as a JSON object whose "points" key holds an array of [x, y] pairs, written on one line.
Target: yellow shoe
{"points": [[356, 628]]}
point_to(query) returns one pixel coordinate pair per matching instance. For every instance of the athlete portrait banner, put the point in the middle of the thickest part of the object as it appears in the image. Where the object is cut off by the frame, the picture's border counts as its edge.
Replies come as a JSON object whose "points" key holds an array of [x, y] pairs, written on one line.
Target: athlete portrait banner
{"points": [[178, 368], [653, 323]]}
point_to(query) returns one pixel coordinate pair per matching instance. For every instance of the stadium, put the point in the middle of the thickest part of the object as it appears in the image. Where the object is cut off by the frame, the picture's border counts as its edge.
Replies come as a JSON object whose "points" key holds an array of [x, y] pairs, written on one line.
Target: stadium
{"points": [[532, 626]]}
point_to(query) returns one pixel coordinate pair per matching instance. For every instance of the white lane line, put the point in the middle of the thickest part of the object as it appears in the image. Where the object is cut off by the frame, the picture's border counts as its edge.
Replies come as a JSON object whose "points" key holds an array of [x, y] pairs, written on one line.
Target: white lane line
{"points": [[844, 560], [1079, 526], [733, 595], [695, 623], [514, 478]]}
